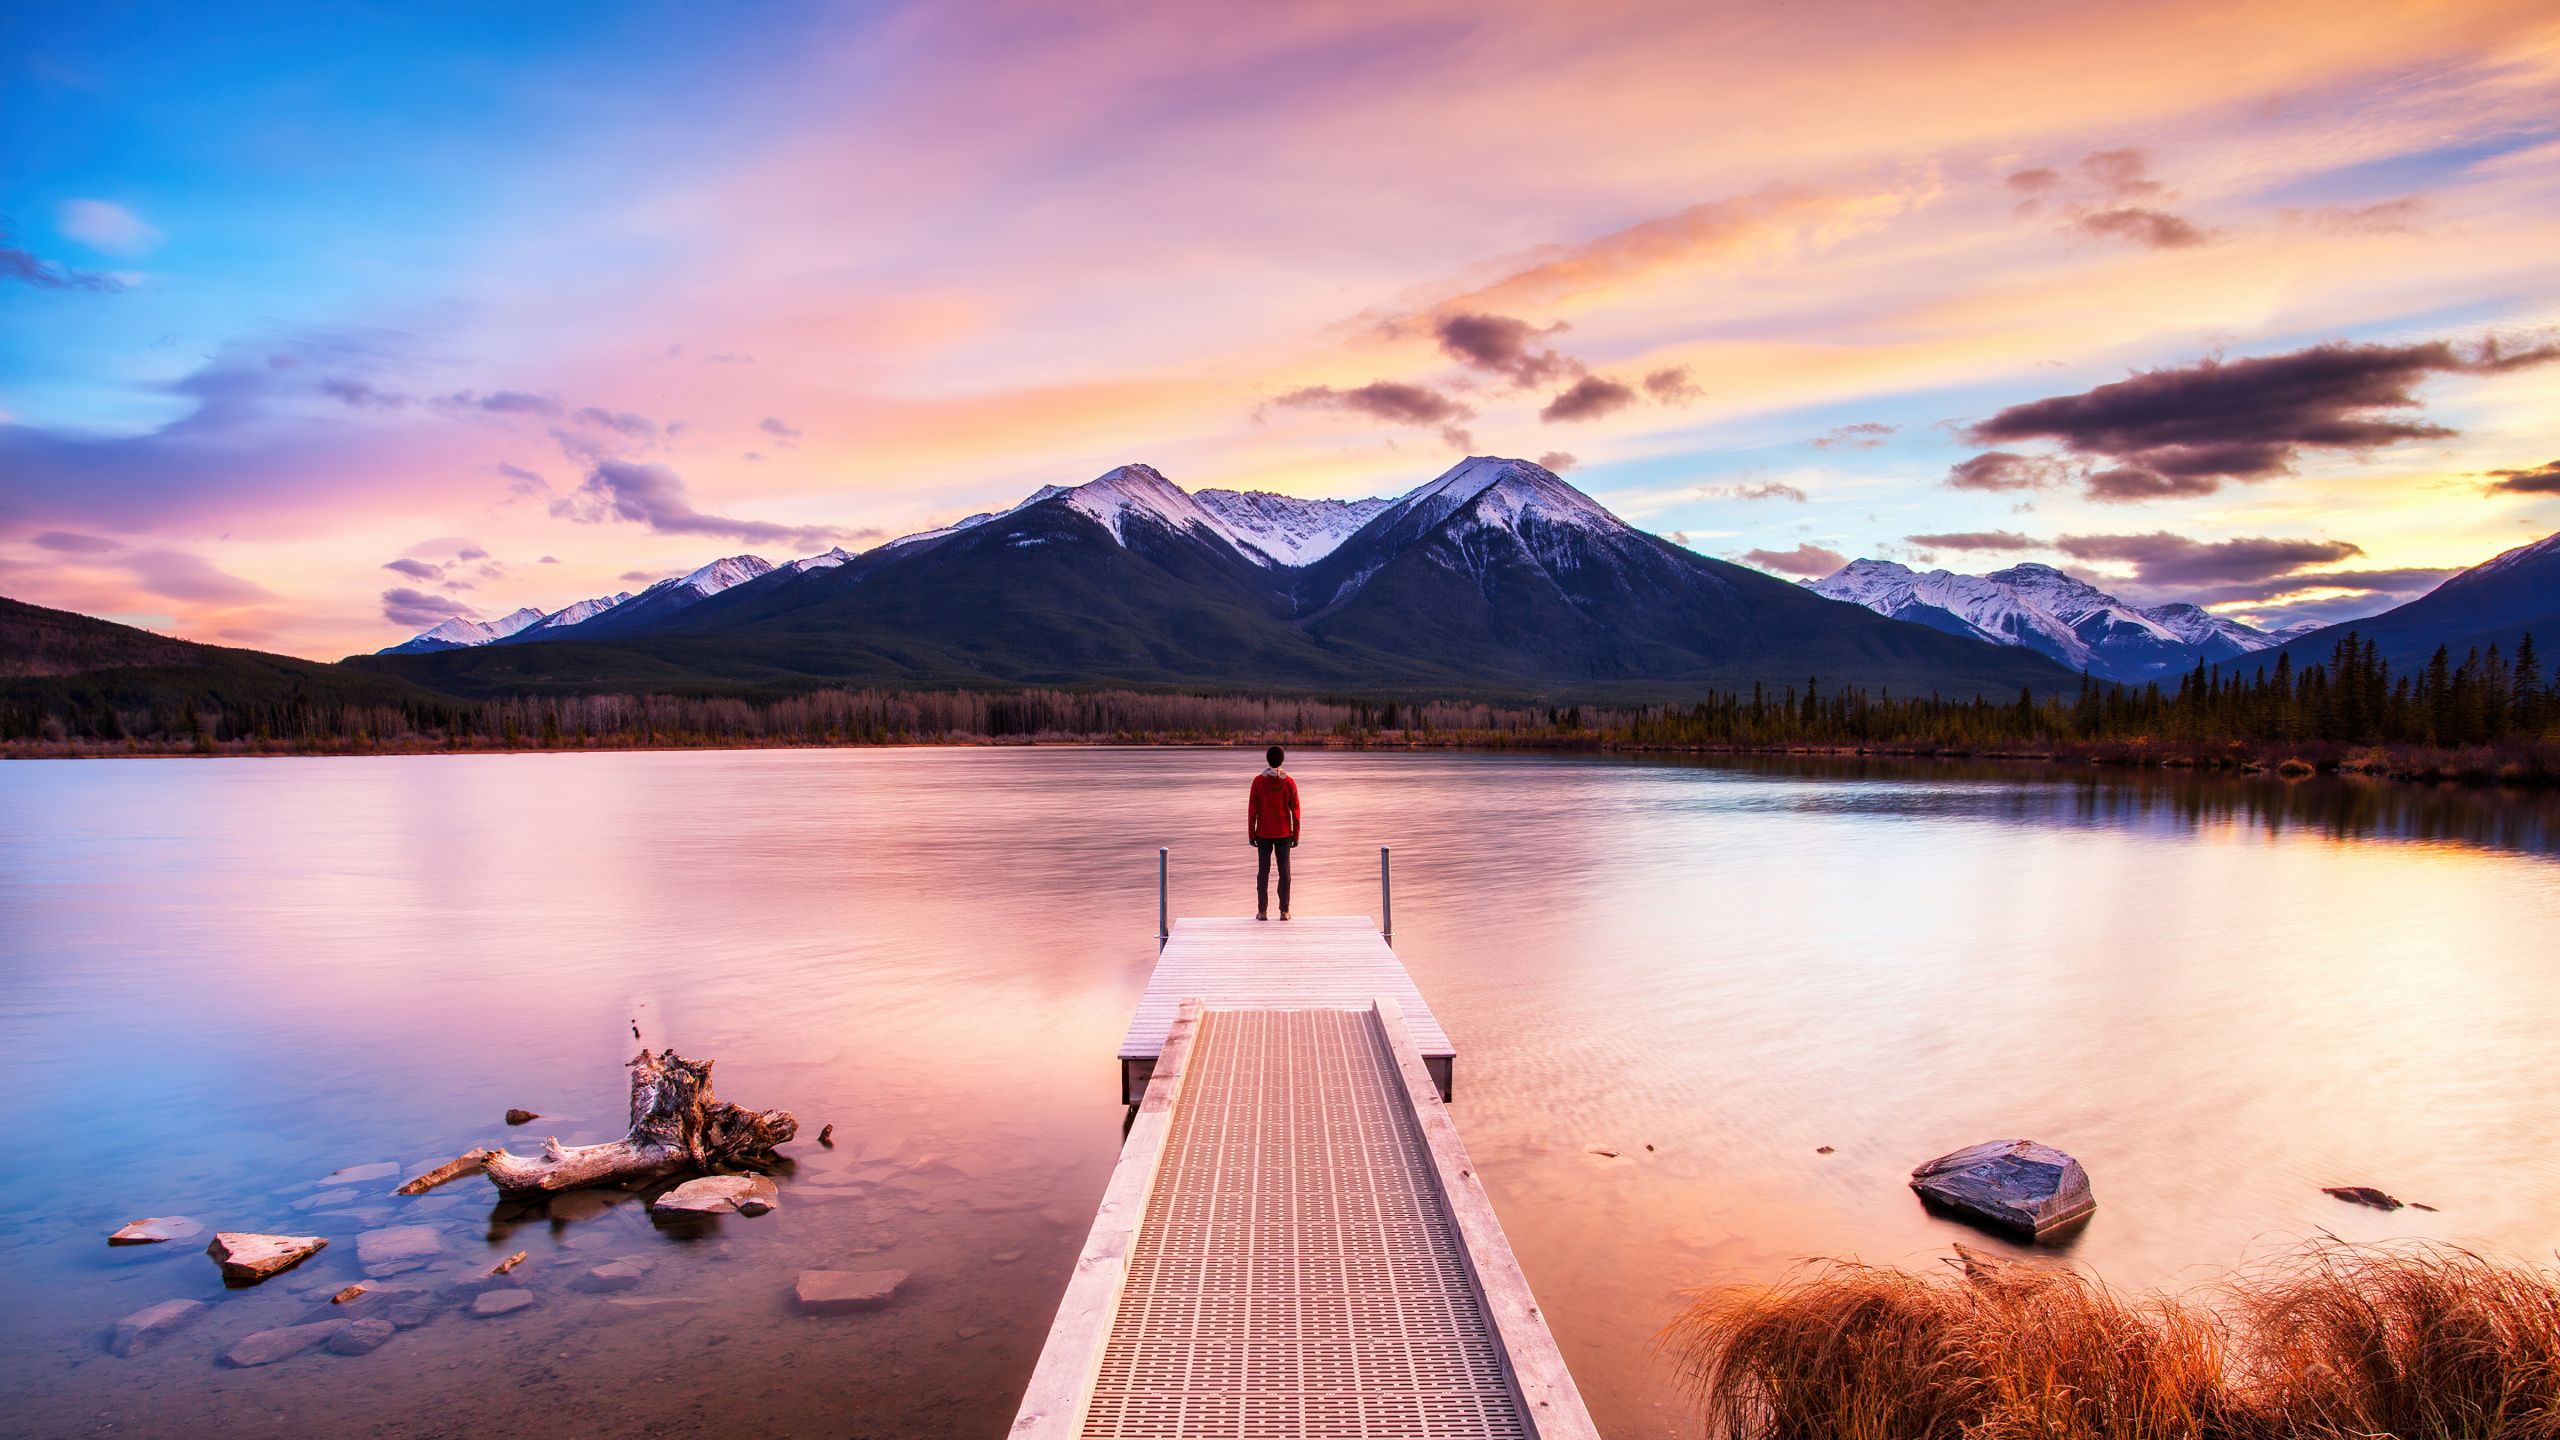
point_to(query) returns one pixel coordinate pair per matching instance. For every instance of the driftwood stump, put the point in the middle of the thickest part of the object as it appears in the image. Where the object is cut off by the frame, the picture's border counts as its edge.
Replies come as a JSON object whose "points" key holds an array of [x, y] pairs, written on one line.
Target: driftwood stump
{"points": [[675, 1125]]}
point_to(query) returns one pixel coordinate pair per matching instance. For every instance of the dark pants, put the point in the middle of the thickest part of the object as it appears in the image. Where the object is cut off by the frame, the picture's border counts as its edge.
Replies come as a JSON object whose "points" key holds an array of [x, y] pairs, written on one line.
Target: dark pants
{"points": [[1262, 875]]}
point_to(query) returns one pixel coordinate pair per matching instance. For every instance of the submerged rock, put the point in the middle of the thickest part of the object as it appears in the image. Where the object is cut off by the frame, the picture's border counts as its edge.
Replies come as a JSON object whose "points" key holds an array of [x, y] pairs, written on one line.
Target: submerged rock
{"points": [[399, 1243], [714, 1194], [338, 1196], [153, 1230], [381, 1170], [615, 1312], [363, 1337], [269, 1346], [2016, 1186], [521, 1117], [609, 1278], [150, 1327], [501, 1302], [837, 1292], [247, 1259]]}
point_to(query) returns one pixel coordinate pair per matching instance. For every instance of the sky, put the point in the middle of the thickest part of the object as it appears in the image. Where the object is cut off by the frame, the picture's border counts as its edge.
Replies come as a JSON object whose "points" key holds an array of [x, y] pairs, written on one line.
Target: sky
{"points": [[321, 323]]}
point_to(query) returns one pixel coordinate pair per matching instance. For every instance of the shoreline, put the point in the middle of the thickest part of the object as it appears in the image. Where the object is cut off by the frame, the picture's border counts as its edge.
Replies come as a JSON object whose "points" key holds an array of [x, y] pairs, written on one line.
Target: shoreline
{"points": [[2512, 765]]}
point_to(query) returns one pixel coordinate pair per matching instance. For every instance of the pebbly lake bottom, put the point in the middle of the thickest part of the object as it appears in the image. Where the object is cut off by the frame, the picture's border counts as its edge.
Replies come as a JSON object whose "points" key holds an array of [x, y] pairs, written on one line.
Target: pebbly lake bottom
{"points": [[228, 979]]}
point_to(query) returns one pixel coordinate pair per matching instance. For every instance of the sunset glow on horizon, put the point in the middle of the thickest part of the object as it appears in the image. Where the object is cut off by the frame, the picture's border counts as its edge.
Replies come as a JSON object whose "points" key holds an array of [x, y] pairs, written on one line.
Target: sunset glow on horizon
{"points": [[328, 321]]}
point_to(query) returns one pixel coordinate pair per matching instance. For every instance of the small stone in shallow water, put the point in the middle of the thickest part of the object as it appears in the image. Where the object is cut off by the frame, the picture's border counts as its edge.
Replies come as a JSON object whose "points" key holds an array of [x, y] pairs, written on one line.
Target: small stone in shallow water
{"points": [[713, 1194], [326, 1197], [406, 1317], [353, 1173], [247, 1259], [2361, 1195], [608, 1278], [269, 1346], [149, 1327], [1006, 1257], [837, 1292], [970, 1332], [400, 1242], [1822, 1149], [155, 1229], [501, 1302], [827, 1136], [361, 1338], [521, 1117]]}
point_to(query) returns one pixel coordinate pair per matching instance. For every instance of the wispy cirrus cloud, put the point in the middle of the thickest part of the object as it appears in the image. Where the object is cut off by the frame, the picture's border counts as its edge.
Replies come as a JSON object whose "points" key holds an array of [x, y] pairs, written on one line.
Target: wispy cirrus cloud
{"points": [[2163, 559]]}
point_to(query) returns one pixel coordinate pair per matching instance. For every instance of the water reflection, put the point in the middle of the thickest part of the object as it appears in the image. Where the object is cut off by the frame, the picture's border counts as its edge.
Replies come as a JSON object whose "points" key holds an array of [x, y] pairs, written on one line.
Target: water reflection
{"points": [[228, 979]]}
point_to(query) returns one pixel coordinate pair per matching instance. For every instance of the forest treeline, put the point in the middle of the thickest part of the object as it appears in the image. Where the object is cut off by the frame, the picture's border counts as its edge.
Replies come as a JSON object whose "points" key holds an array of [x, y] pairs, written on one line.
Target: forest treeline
{"points": [[2324, 714]]}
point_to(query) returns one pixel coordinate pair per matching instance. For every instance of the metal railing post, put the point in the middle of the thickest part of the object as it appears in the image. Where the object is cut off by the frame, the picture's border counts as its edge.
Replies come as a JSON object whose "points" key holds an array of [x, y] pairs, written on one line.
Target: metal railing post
{"points": [[1386, 900], [1164, 926]]}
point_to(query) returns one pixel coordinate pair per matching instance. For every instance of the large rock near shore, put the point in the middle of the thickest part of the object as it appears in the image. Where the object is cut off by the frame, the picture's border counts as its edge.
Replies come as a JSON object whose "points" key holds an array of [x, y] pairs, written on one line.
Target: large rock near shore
{"points": [[2015, 1186], [247, 1259]]}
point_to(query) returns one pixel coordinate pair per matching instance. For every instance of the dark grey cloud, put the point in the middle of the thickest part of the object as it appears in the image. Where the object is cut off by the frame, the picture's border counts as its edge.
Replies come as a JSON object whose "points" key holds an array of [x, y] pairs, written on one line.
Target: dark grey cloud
{"points": [[783, 435], [1389, 400], [26, 268], [1558, 461], [548, 560], [2035, 181], [2005, 470], [1805, 559], [1672, 386], [517, 402], [2121, 173], [2152, 229], [636, 427], [416, 569], [1502, 345], [70, 543], [2540, 480], [1588, 399], [655, 496], [2399, 586], [1866, 435], [1977, 540], [403, 606], [471, 552], [2185, 430], [362, 395], [2161, 558]]}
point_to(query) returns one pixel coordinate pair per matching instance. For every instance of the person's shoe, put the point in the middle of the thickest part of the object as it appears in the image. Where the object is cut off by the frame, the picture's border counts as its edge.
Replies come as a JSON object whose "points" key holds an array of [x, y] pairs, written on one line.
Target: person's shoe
{"points": [[1284, 914], [1264, 915]]}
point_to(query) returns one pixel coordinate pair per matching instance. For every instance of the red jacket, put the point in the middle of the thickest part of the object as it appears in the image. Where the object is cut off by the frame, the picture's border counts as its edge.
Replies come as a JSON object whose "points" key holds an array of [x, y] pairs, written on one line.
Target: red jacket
{"points": [[1271, 811]]}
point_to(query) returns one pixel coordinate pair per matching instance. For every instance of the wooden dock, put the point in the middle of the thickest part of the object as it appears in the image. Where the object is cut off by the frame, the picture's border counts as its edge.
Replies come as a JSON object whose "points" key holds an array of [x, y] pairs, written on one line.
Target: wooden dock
{"points": [[1294, 1242], [1323, 962]]}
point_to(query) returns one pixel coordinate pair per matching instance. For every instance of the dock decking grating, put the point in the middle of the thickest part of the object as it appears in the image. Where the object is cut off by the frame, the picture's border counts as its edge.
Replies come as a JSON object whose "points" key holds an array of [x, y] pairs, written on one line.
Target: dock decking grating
{"points": [[1295, 1271]]}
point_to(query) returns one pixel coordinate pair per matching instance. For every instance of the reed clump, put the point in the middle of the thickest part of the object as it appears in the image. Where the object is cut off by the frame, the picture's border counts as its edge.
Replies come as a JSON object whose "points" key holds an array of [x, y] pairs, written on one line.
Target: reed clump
{"points": [[2418, 1343]]}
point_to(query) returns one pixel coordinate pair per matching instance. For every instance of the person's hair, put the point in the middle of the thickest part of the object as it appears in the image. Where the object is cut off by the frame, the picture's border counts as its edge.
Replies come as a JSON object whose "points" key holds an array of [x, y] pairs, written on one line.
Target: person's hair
{"points": [[1275, 755]]}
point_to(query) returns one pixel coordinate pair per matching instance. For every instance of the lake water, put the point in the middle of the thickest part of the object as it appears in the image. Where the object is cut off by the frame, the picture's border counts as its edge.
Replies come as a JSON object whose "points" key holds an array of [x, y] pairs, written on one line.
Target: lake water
{"points": [[227, 978]]}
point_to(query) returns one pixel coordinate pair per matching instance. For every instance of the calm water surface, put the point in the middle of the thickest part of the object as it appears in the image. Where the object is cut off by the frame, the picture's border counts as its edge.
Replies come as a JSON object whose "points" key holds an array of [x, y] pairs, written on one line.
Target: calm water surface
{"points": [[228, 978]]}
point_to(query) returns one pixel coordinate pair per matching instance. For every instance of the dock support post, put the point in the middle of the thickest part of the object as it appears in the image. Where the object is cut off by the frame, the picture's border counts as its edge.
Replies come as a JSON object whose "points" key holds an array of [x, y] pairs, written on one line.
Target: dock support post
{"points": [[1386, 900], [1164, 925]]}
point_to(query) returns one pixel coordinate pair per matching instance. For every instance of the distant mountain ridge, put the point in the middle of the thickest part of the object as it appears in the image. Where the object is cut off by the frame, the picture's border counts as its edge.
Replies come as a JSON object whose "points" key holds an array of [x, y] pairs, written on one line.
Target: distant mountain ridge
{"points": [[1496, 577], [2041, 608], [2496, 602]]}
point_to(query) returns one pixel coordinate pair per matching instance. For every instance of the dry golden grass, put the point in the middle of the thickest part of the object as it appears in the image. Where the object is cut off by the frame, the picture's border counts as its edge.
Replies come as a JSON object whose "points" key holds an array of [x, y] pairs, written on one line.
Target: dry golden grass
{"points": [[2414, 1343], [2422, 1342]]}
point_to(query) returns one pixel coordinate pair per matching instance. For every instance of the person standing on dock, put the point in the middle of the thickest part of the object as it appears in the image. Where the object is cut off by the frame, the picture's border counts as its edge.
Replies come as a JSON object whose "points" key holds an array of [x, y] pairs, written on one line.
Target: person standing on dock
{"points": [[1271, 823]]}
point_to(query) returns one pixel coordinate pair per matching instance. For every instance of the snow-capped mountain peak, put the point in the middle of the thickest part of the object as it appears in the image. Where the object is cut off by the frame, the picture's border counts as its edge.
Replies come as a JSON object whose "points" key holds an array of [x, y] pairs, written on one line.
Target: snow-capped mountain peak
{"points": [[581, 612], [1283, 529], [2040, 607], [719, 575], [458, 633], [1512, 490], [828, 561]]}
